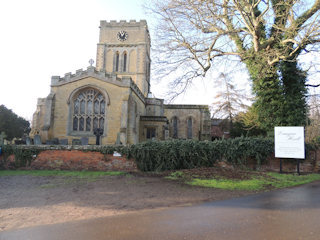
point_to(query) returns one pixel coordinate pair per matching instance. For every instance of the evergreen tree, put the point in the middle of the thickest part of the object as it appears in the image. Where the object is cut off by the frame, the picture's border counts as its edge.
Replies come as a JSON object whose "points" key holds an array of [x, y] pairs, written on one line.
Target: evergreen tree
{"points": [[267, 36], [11, 124]]}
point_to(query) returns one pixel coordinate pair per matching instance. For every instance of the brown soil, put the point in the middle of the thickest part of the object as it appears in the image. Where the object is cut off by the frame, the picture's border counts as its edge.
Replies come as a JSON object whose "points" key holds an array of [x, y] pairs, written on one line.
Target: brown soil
{"points": [[27, 201]]}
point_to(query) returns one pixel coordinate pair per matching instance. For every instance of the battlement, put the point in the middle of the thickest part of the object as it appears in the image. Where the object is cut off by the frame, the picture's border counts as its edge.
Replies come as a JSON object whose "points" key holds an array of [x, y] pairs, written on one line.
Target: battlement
{"points": [[102, 75], [123, 23], [80, 73]]}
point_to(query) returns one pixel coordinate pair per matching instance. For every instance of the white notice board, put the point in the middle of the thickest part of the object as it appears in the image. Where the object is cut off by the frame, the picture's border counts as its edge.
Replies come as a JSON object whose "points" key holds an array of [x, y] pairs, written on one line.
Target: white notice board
{"points": [[289, 142]]}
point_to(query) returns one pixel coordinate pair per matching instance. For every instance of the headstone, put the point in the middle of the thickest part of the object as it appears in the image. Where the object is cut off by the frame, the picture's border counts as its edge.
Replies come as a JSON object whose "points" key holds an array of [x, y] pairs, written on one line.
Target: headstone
{"points": [[2, 137], [63, 141], [19, 142], [166, 134], [76, 141], [84, 141], [98, 133], [28, 141], [55, 141], [37, 140], [49, 142]]}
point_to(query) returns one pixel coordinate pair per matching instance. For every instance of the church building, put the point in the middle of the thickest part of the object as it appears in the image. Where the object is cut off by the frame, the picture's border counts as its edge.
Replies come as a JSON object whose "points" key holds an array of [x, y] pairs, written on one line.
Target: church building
{"points": [[115, 97]]}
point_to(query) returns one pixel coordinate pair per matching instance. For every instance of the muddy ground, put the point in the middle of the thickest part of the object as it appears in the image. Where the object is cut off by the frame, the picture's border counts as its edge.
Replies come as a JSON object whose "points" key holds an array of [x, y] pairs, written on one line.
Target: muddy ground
{"points": [[27, 201]]}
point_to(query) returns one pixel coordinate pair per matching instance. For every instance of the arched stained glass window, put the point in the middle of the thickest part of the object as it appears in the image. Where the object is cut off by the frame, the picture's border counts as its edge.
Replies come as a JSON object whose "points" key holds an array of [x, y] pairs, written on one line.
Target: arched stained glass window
{"points": [[88, 111], [75, 124], [88, 124]]}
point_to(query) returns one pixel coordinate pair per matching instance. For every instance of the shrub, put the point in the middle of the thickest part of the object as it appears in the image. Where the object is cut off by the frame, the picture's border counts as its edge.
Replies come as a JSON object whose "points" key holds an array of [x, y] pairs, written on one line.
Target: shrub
{"points": [[185, 154]]}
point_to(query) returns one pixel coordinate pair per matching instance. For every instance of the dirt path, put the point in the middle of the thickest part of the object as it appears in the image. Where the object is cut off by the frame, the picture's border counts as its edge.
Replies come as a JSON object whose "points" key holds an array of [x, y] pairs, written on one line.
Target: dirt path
{"points": [[27, 201]]}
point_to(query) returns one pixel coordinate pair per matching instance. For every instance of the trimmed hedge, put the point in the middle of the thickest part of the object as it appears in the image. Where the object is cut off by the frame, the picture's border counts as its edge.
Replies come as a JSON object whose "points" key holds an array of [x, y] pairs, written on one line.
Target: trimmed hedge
{"points": [[170, 155], [185, 154]]}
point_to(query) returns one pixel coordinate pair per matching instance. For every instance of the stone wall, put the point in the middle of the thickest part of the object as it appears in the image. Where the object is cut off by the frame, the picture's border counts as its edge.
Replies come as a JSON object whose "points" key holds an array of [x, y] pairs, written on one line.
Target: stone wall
{"points": [[200, 115]]}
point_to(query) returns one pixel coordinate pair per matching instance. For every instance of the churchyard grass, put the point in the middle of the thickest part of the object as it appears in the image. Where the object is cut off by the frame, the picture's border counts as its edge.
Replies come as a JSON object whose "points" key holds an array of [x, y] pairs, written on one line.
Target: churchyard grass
{"points": [[266, 181]]}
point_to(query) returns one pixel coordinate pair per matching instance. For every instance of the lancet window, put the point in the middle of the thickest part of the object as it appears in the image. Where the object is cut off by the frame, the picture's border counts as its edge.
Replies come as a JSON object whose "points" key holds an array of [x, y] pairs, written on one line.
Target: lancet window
{"points": [[117, 61], [189, 128], [125, 60], [175, 127]]}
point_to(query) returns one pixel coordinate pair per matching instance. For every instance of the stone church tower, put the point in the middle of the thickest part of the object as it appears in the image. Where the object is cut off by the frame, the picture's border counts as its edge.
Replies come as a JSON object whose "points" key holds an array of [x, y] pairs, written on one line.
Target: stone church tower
{"points": [[124, 48], [113, 96]]}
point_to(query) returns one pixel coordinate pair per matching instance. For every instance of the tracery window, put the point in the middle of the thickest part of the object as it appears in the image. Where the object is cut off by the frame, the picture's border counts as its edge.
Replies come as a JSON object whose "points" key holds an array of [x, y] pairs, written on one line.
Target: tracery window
{"points": [[88, 111]]}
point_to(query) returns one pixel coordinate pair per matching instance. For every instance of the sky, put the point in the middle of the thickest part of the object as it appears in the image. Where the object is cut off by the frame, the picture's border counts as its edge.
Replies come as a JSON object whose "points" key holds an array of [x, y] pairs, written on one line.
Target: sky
{"points": [[44, 38]]}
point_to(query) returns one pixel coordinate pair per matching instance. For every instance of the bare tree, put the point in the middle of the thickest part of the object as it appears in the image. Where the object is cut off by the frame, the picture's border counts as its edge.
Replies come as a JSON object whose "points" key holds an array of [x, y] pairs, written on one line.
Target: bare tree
{"points": [[313, 128], [266, 35], [201, 31]]}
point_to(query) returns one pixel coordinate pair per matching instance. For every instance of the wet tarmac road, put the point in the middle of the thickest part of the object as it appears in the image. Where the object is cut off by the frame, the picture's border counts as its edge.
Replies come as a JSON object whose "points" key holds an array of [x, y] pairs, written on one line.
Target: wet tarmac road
{"points": [[284, 214]]}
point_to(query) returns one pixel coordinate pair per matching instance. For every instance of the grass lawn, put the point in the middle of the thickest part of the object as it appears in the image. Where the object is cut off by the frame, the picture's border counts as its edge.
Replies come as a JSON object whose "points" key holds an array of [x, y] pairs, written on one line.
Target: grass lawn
{"points": [[256, 182], [229, 180]]}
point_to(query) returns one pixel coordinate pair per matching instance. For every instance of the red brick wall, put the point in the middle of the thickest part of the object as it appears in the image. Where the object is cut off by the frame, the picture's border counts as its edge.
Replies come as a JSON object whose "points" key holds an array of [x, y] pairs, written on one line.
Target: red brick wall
{"points": [[310, 164], [76, 160], [79, 160]]}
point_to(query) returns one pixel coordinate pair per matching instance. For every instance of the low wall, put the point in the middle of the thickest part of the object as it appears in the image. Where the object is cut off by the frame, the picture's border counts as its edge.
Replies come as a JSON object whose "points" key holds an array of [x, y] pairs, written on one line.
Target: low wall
{"points": [[308, 165]]}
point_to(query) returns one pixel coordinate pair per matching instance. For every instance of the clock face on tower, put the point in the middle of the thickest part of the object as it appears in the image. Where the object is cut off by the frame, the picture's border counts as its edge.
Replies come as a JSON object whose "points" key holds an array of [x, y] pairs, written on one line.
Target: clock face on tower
{"points": [[122, 35]]}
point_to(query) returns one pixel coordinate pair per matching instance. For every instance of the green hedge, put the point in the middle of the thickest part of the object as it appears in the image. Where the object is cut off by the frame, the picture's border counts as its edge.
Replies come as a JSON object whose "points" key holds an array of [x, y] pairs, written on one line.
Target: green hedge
{"points": [[174, 154], [184, 154], [23, 157]]}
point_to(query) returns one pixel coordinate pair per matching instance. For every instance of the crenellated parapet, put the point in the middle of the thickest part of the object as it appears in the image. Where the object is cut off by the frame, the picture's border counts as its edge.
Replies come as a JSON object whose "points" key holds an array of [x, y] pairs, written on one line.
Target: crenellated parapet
{"points": [[80, 74], [101, 75], [124, 22], [130, 26]]}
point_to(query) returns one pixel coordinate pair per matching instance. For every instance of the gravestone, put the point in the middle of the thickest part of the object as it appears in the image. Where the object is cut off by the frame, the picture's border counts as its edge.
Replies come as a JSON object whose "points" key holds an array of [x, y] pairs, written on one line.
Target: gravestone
{"points": [[166, 134], [63, 141], [28, 141], [37, 140], [2, 137], [76, 141], [49, 142], [98, 133], [84, 141]]}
